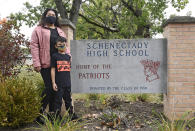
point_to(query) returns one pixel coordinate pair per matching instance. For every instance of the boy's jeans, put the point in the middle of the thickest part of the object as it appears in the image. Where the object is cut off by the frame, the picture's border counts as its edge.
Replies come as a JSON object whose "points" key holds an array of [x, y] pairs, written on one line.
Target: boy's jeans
{"points": [[65, 93]]}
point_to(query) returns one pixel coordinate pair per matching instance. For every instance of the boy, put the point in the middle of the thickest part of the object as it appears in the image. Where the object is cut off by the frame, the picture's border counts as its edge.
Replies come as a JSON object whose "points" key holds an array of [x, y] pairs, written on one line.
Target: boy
{"points": [[60, 75]]}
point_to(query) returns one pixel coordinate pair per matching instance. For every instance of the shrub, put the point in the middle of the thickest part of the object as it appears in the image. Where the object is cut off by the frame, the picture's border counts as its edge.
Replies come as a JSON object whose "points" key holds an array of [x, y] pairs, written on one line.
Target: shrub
{"points": [[19, 101], [29, 73]]}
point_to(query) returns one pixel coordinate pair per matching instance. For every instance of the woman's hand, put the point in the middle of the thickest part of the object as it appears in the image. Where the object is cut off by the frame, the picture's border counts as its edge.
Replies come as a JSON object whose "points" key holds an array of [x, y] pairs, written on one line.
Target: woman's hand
{"points": [[37, 69], [55, 88]]}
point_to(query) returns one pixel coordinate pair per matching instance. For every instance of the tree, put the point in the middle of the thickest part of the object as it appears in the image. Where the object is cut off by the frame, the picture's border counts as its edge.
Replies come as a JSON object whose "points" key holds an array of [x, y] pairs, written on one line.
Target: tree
{"points": [[124, 18], [11, 55], [107, 19]]}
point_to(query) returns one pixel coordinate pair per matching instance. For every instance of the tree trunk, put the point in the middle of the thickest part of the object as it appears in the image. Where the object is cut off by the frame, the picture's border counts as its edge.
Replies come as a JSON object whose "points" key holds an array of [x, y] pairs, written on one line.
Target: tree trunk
{"points": [[61, 9], [74, 12]]}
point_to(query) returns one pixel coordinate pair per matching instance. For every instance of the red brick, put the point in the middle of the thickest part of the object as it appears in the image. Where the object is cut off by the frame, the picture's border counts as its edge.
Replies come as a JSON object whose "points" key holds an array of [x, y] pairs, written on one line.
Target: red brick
{"points": [[182, 110], [175, 33], [182, 50], [185, 37], [174, 58], [180, 115], [183, 79], [175, 84], [184, 105], [175, 25], [184, 92], [188, 33], [182, 46], [179, 99], [182, 75], [173, 29], [181, 41], [184, 54], [189, 84], [178, 71], [177, 66], [186, 88], [192, 29]]}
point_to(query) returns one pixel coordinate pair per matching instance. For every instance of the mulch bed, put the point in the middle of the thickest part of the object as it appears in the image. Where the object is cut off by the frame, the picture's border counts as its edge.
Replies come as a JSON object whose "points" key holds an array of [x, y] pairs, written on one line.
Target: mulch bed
{"points": [[120, 115]]}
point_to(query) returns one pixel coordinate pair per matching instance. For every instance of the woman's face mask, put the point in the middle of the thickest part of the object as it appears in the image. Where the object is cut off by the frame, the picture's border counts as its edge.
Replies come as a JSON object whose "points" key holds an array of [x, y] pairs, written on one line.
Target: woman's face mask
{"points": [[50, 19]]}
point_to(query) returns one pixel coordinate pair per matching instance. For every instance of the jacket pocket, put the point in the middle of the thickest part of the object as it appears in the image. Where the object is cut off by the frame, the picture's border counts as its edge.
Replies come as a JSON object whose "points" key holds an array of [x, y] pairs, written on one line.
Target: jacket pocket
{"points": [[45, 56]]}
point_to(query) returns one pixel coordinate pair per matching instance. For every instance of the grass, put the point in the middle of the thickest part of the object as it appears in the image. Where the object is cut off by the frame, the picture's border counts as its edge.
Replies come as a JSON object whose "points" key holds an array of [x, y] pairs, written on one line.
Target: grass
{"points": [[64, 124], [153, 98], [182, 124]]}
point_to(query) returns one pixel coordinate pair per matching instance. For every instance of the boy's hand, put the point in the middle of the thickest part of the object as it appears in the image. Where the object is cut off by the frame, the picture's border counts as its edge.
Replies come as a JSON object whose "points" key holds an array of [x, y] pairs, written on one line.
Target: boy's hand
{"points": [[55, 88]]}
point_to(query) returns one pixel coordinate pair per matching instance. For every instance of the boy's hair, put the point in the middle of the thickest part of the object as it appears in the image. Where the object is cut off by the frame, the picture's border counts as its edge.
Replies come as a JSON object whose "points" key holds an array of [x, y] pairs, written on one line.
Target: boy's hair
{"points": [[60, 39]]}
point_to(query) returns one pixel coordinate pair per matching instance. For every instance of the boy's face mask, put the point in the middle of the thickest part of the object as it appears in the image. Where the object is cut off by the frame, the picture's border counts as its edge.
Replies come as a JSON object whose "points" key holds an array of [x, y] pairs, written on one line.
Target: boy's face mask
{"points": [[61, 48]]}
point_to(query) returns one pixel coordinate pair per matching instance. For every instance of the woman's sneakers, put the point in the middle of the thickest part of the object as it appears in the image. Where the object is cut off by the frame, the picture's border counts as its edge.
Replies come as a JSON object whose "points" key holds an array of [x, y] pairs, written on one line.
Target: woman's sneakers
{"points": [[73, 117], [40, 120]]}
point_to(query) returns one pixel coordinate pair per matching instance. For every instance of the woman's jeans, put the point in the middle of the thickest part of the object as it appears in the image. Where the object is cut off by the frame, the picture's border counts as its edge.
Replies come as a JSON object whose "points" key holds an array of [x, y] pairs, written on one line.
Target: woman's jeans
{"points": [[48, 92]]}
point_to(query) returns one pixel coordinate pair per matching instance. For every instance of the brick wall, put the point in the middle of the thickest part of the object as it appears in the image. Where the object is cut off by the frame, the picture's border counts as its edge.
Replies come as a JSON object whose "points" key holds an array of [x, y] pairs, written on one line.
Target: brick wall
{"points": [[68, 27], [180, 95], [69, 33]]}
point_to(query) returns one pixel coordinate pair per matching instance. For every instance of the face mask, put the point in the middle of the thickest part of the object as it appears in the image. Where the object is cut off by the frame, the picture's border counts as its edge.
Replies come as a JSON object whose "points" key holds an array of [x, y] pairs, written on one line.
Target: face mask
{"points": [[50, 19], [61, 48]]}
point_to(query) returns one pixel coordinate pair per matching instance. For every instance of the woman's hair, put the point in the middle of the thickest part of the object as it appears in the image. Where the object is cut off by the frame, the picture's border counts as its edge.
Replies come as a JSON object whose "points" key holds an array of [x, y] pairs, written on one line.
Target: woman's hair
{"points": [[43, 22]]}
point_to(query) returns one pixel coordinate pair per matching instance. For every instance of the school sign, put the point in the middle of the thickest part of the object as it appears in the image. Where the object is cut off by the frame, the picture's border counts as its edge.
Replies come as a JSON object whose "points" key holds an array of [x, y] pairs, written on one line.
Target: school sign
{"points": [[119, 66], [139, 66]]}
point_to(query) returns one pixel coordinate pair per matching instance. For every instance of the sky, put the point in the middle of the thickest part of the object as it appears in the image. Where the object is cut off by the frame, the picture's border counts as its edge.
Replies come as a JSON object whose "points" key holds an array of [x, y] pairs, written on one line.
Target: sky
{"points": [[13, 6]]}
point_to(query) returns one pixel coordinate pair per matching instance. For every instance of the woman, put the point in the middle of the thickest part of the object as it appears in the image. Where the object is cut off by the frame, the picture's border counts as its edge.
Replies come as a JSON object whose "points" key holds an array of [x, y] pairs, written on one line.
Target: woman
{"points": [[42, 47]]}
